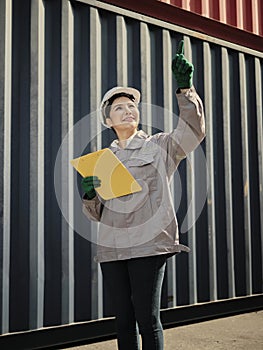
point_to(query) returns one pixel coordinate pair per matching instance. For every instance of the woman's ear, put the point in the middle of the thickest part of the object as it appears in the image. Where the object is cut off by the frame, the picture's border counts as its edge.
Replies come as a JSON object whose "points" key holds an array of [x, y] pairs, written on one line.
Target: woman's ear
{"points": [[109, 122]]}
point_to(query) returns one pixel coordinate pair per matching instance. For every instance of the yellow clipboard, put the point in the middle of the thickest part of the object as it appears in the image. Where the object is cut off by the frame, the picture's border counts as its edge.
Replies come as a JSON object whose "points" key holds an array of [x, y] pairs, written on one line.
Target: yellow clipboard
{"points": [[116, 180]]}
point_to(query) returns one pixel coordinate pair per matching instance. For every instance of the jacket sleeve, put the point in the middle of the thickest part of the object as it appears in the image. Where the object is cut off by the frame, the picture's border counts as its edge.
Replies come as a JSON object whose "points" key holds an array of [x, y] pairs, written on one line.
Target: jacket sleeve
{"points": [[189, 132], [92, 208]]}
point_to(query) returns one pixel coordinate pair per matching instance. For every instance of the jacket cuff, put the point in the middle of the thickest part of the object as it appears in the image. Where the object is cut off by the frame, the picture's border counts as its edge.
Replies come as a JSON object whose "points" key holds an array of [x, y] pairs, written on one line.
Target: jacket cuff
{"points": [[185, 91], [92, 201]]}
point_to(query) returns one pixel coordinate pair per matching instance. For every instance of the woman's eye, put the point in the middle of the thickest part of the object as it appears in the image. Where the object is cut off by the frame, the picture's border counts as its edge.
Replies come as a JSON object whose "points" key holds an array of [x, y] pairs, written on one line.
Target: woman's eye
{"points": [[131, 106]]}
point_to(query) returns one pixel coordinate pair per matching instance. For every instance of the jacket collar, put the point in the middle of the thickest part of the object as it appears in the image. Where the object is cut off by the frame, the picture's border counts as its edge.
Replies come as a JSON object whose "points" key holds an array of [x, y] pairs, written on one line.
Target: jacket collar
{"points": [[137, 142]]}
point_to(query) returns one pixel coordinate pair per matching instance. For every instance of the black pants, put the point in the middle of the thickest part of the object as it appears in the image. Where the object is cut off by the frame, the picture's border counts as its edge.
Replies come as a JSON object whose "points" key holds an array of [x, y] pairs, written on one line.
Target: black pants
{"points": [[135, 286]]}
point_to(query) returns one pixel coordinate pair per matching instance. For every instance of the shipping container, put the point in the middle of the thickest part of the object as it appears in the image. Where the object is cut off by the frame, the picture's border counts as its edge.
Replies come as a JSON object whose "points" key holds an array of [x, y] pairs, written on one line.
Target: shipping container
{"points": [[57, 59], [190, 15]]}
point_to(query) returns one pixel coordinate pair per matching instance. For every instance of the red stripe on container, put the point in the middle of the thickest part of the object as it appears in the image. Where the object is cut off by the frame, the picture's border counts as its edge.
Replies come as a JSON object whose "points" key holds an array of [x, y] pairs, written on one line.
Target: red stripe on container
{"points": [[214, 10], [243, 14], [231, 12], [247, 15], [196, 6], [260, 17], [178, 3]]}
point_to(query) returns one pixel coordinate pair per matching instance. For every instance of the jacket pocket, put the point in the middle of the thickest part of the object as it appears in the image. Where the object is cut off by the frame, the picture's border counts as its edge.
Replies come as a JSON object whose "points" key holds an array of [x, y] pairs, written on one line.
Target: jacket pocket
{"points": [[141, 160], [129, 203], [144, 167]]}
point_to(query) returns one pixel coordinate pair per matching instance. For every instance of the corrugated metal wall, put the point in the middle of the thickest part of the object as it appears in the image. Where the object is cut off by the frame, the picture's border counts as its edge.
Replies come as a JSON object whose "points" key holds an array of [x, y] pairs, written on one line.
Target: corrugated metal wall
{"points": [[57, 58], [243, 14]]}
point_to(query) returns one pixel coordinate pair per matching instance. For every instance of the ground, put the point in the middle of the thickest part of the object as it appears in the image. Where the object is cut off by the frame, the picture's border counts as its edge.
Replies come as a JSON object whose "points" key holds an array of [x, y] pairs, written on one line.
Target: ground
{"points": [[242, 332]]}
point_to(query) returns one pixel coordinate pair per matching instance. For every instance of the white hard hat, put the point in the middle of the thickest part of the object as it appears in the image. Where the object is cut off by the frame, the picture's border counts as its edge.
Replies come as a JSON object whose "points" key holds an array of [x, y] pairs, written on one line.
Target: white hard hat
{"points": [[114, 91]]}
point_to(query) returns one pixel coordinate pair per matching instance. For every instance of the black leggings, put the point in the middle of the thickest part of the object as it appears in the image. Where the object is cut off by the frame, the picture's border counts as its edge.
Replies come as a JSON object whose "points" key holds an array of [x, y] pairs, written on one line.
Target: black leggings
{"points": [[135, 286]]}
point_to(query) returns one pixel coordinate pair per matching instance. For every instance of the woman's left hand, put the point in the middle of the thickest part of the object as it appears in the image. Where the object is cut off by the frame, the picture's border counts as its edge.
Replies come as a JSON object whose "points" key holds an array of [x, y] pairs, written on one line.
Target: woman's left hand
{"points": [[182, 69]]}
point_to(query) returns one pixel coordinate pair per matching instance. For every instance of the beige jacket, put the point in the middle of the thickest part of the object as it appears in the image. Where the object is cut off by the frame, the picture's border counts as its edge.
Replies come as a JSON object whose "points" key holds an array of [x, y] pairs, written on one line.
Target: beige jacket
{"points": [[144, 223]]}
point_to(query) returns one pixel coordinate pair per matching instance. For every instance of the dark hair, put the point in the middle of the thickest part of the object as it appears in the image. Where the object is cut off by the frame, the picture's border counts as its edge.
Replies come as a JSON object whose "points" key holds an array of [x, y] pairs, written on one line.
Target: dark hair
{"points": [[113, 98]]}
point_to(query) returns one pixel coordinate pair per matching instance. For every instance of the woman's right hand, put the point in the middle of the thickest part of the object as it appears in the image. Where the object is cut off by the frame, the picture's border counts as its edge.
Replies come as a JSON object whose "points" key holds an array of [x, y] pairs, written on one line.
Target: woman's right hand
{"points": [[89, 184]]}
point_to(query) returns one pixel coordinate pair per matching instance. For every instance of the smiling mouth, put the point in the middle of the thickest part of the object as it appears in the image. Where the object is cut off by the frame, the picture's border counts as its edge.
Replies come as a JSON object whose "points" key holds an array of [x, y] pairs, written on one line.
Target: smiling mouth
{"points": [[128, 119]]}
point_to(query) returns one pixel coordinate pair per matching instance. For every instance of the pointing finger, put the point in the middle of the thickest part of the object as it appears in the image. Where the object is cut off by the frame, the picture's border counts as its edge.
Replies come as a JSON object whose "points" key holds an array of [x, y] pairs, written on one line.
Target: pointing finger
{"points": [[180, 49]]}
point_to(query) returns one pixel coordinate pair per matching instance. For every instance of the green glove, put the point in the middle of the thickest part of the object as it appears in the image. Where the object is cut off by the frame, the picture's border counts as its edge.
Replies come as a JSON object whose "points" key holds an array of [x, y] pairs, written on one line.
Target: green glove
{"points": [[89, 184], [182, 69]]}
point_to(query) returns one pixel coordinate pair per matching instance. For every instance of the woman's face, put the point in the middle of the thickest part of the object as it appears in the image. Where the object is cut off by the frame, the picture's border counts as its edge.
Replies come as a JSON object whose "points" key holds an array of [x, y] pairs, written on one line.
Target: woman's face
{"points": [[124, 114]]}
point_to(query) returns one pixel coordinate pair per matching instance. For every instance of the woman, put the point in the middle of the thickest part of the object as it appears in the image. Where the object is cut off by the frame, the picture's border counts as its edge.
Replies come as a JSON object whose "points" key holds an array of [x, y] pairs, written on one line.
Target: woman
{"points": [[138, 232]]}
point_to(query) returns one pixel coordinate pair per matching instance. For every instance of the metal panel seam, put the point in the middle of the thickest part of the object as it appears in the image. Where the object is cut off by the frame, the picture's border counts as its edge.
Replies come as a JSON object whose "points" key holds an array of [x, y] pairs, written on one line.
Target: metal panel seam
{"points": [[259, 111], [191, 200], [228, 172], [122, 64], [168, 126], [36, 233], [95, 132], [210, 161], [146, 79], [246, 177], [67, 243], [7, 165]]}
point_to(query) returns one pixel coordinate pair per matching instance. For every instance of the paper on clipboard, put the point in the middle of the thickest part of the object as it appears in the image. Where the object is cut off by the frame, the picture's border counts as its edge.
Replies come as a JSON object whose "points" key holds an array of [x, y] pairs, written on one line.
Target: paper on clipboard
{"points": [[116, 180]]}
